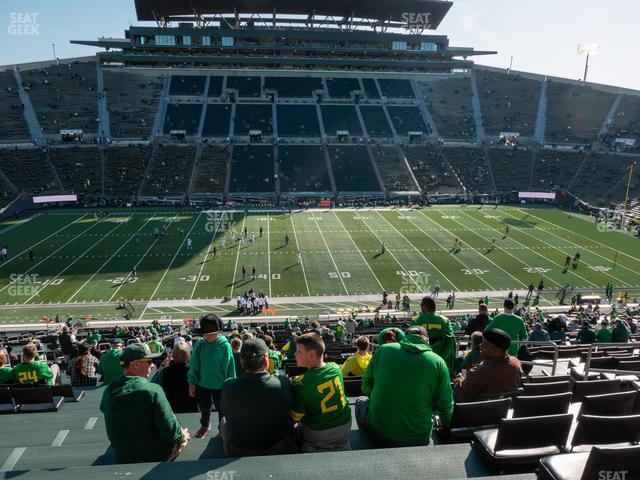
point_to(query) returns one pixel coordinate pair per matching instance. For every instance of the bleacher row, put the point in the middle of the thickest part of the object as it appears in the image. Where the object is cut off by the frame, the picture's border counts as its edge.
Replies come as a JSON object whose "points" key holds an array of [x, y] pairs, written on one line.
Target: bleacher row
{"points": [[65, 96], [176, 171]]}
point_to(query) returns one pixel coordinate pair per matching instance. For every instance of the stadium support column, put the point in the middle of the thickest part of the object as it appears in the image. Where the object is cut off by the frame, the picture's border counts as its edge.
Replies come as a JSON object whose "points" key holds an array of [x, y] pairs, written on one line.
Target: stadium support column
{"points": [[609, 120], [276, 172], [232, 120], [103, 110], [274, 120], [362, 125], [162, 108], [323, 132], [205, 102], [426, 114], [29, 114], [477, 111], [327, 160], [541, 119]]}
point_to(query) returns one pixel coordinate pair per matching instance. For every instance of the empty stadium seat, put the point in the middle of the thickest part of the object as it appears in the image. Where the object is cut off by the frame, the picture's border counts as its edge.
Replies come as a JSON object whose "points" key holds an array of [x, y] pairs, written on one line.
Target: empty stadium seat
{"points": [[551, 388], [7, 405], [187, 85], [353, 386], [535, 406], [67, 392], [547, 379], [609, 404], [523, 441], [588, 466], [470, 417], [585, 388], [183, 116], [600, 430], [36, 400]]}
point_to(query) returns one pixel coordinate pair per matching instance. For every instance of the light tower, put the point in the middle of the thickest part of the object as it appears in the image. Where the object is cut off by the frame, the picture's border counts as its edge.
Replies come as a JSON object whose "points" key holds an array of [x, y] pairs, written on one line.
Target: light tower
{"points": [[587, 49]]}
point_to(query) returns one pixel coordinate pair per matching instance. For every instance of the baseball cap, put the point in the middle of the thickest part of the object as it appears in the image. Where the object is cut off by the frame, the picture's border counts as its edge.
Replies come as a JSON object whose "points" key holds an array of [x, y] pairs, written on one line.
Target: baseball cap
{"points": [[253, 348], [118, 341], [497, 337], [137, 351]]}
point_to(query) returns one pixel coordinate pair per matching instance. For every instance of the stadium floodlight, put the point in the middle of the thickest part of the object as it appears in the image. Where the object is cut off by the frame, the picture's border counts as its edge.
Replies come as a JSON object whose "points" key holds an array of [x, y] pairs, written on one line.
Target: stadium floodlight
{"points": [[587, 49]]}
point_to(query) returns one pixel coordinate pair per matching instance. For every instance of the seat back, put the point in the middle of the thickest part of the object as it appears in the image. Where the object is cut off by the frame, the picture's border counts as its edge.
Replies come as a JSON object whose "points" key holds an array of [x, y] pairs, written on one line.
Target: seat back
{"points": [[479, 414], [533, 432], [353, 386], [630, 365], [547, 379], [65, 390], [27, 396], [612, 460], [609, 404], [294, 370], [583, 388], [551, 388], [598, 430], [5, 396], [603, 362], [535, 406]]}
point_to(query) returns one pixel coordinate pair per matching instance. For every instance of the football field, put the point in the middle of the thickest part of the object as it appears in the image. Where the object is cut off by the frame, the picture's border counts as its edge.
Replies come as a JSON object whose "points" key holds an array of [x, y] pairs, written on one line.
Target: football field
{"points": [[79, 259]]}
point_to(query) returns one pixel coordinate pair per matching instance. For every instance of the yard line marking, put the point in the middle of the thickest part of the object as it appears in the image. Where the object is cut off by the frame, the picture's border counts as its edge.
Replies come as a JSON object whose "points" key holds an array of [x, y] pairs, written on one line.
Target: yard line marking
{"points": [[390, 252], [57, 442], [49, 256], [22, 222], [269, 253], [330, 254], [44, 239], [361, 256], [547, 259], [13, 458], [544, 256], [37, 292], [454, 256], [482, 256], [90, 423], [584, 261], [295, 236], [584, 247], [140, 261], [235, 269], [421, 254], [172, 260], [109, 259], [213, 238]]}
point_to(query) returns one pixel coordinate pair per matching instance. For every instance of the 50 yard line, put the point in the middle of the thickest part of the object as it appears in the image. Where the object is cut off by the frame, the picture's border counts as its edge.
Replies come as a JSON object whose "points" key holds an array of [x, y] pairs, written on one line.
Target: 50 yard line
{"points": [[330, 254], [235, 268], [295, 236]]}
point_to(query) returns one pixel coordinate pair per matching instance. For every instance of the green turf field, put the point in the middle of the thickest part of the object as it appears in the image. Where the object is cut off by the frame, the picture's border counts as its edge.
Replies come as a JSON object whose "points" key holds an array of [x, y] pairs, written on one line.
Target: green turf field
{"points": [[80, 259]]}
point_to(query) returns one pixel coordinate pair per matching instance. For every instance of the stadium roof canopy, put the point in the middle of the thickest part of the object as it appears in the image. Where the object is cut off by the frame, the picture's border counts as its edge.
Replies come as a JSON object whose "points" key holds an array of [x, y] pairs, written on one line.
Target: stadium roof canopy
{"points": [[382, 10]]}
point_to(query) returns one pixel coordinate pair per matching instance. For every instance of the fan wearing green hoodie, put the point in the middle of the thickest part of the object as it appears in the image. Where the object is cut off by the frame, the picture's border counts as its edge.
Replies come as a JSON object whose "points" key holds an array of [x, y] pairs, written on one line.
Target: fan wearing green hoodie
{"points": [[210, 365], [140, 424], [405, 383], [439, 330]]}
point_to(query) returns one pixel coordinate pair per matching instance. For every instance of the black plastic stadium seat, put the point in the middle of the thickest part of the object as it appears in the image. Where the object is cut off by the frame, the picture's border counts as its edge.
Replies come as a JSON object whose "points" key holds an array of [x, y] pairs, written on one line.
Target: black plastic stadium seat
{"points": [[36, 400], [629, 365], [523, 441], [67, 392], [582, 389], [535, 406], [353, 386], [293, 370], [597, 430], [609, 404], [470, 417], [546, 379], [588, 466], [6, 401], [535, 389]]}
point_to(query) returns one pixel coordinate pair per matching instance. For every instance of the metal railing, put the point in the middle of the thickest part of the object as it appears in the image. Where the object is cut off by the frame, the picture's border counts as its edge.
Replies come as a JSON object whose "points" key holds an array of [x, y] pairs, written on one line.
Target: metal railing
{"points": [[541, 344], [622, 346]]}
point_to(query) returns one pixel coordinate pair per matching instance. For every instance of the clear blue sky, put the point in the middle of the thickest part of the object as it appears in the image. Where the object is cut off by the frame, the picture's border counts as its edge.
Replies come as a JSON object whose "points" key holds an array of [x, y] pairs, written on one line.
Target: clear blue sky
{"points": [[541, 34]]}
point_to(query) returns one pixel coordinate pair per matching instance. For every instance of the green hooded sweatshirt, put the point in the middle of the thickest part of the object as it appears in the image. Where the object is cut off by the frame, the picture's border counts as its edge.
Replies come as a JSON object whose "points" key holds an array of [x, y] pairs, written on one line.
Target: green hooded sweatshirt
{"points": [[211, 363], [109, 366], [441, 336], [140, 424], [406, 382]]}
